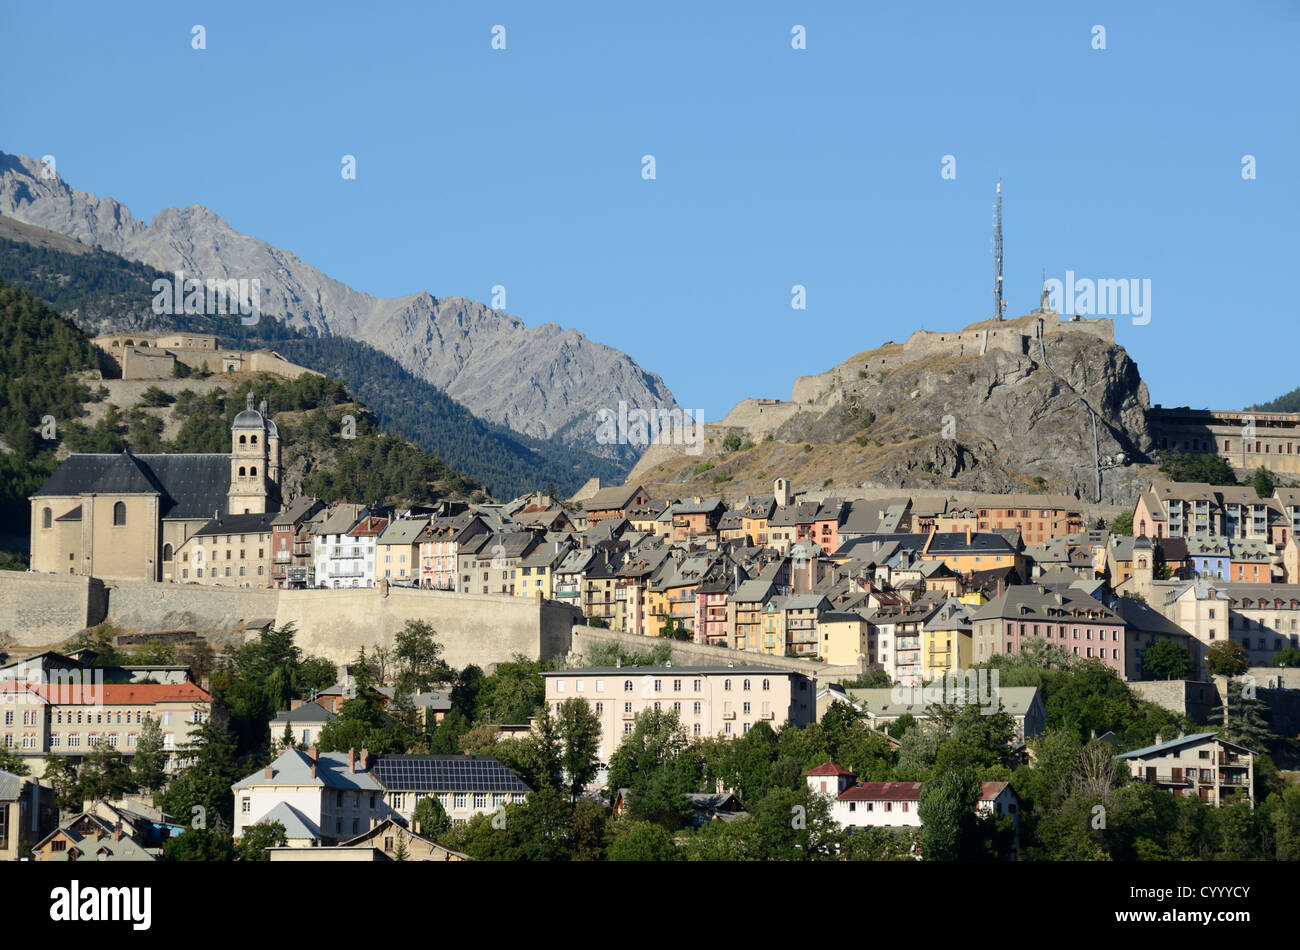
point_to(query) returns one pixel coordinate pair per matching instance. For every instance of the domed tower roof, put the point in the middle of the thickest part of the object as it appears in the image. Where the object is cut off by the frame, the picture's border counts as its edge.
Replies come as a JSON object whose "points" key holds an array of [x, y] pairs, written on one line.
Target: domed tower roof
{"points": [[250, 418], [272, 429]]}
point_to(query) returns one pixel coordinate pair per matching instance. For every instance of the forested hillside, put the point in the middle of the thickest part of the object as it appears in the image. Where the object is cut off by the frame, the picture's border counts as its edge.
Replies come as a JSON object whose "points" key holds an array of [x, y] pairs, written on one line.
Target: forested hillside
{"points": [[41, 354], [103, 292], [1290, 402]]}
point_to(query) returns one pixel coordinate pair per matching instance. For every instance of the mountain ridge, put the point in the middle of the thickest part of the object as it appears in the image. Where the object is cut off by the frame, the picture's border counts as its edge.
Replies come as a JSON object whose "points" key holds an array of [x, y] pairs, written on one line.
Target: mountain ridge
{"points": [[536, 380]]}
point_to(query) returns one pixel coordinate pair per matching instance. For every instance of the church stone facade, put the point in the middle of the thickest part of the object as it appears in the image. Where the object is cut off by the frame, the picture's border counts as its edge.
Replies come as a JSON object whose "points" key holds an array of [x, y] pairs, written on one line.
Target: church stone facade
{"points": [[127, 517]]}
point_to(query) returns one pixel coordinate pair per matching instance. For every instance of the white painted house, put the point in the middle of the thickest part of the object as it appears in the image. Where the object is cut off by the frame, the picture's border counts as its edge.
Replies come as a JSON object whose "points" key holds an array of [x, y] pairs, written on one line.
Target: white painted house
{"points": [[335, 793], [895, 804]]}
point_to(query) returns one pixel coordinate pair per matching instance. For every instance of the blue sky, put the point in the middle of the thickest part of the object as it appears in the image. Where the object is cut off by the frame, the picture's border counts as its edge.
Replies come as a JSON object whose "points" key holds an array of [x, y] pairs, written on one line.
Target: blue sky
{"points": [[775, 166]]}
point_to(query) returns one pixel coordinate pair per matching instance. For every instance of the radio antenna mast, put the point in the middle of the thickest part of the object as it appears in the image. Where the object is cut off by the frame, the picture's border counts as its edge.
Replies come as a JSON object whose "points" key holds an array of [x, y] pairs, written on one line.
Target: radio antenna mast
{"points": [[999, 305]]}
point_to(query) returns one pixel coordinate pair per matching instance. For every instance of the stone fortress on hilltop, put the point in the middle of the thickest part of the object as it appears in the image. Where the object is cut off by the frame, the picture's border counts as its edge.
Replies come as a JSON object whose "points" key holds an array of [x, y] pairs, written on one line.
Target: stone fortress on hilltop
{"points": [[1017, 336], [145, 356]]}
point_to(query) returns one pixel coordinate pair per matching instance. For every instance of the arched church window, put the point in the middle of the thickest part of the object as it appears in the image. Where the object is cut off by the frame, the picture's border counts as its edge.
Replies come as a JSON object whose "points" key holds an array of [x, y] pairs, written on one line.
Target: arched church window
{"points": [[252, 472], [119, 513], [167, 552], [241, 471], [47, 518]]}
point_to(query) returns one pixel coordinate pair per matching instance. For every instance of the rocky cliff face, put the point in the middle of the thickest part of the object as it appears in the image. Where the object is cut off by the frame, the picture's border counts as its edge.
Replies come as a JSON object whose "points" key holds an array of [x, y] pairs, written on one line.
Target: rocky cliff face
{"points": [[998, 421], [543, 381]]}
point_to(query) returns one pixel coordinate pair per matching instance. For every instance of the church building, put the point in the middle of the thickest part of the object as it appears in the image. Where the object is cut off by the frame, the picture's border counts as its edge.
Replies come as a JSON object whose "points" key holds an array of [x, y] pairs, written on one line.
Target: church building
{"points": [[126, 517]]}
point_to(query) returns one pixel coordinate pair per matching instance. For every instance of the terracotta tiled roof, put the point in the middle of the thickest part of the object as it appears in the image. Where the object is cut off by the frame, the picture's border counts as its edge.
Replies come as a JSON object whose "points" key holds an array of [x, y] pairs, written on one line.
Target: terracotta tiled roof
{"points": [[128, 694], [883, 792], [828, 768]]}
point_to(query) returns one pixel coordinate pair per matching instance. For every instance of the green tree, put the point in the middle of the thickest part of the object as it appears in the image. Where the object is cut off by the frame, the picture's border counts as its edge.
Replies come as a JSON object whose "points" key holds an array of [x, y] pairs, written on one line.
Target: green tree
{"points": [[1243, 717], [199, 844], [104, 773], [447, 737], [579, 730], [513, 693], [147, 767], [1227, 658], [882, 844], [1198, 467], [948, 816], [419, 656], [1264, 482], [201, 792], [1122, 523], [60, 774], [789, 824], [257, 838], [653, 764], [1166, 660], [12, 762], [430, 818], [641, 841], [590, 819], [1287, 656]]}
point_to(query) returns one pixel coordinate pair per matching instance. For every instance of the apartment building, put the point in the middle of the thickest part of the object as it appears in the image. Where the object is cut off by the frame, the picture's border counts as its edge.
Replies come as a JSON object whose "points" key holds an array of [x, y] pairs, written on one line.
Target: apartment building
{"points": [[440, 544], [896, 635], [332, 795], [946, 639], [537, 570], [292, 565], [229, 551], [397, 551], [745, 613], [489, 564], [1264, 619], [1178, 510], [845, 637], [1038, 518], [1067, 619], [709, 701], [1203, 766], [334, 550], [68, 718], [613, 502]]}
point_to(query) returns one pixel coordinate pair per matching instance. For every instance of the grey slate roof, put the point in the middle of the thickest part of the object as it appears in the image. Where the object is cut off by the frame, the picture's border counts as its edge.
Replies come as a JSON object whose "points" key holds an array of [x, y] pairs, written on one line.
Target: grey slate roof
{"points": [[238, 524], [403, 531], [11, 786], [296, 824], [307, 712], [191, 486], [1166, 747], [293, 767]]}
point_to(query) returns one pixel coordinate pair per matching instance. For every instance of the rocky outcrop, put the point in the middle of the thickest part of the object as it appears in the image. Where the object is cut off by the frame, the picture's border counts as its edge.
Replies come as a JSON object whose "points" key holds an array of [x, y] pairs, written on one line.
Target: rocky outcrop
{"points": [[544, 381], [1013, 418]]}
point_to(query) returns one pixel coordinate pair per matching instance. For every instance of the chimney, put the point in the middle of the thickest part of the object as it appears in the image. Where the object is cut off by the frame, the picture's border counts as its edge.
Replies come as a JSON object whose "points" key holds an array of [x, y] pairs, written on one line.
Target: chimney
{"points": [[352, 760], [968, 536], [117, 834], [365, 759], [270, 772], [1159, 739]]}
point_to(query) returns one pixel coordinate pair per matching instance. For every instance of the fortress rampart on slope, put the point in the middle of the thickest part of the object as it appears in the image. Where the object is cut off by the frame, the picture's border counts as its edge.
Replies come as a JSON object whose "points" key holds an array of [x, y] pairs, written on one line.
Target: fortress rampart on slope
{"points": [[757, 417], [1013, 336], [136, 356]]}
